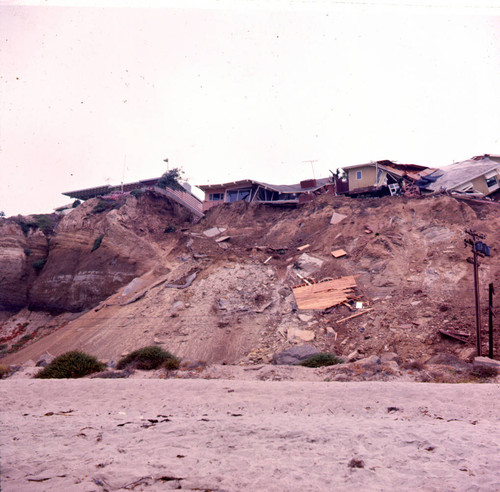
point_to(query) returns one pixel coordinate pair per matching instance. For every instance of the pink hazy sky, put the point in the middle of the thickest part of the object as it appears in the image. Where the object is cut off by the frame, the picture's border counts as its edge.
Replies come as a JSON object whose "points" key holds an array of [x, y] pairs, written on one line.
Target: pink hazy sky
{"points": [[229, 90]]}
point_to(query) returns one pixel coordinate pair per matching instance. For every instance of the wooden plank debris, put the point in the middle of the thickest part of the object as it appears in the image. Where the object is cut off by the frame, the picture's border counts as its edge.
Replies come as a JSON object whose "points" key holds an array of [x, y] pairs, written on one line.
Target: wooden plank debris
{"points": [[324, 294], [214, 231], [303, 278], [300, 248], [338, 253], [355, 315], [222, 239], [457, 335], [265, 261], [336, 218]]}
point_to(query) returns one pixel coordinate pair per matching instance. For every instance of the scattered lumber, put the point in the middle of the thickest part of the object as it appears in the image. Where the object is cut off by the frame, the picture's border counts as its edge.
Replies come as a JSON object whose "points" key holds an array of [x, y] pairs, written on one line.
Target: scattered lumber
{"points": [[325, 294], [300, 248]]}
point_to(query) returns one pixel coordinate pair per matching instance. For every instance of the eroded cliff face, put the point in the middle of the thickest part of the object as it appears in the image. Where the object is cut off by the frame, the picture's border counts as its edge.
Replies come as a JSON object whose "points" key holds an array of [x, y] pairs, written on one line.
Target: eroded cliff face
{"points": [[18, 252], [407, 255], [88, 256]]}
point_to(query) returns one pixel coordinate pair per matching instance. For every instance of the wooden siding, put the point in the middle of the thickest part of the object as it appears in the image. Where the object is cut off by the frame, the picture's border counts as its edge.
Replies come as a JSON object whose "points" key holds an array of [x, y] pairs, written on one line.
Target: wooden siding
{"points": [[367, 179]]}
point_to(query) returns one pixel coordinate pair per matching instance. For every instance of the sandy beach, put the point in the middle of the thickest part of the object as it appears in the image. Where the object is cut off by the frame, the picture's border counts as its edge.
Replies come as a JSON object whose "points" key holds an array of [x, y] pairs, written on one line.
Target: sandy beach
{"points": [[228, 435]]}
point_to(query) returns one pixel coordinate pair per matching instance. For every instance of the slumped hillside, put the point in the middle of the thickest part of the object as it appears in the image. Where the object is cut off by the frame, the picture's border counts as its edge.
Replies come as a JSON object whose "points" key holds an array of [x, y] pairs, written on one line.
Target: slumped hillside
{"points": [[112, 277]]}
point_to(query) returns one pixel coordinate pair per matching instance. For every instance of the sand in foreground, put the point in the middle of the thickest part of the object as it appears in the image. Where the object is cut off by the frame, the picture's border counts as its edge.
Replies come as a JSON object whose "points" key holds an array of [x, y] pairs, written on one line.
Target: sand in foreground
{"points": [[150, 434]]}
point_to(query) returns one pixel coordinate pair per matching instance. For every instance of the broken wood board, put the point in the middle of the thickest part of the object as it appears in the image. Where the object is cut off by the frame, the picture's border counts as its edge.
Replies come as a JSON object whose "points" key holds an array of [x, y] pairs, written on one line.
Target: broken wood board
{"points": [[355, 315], [336, 218], [214, 231], [300, 248], [324, 294], [338, 253], [457, 335], [222, 239]]}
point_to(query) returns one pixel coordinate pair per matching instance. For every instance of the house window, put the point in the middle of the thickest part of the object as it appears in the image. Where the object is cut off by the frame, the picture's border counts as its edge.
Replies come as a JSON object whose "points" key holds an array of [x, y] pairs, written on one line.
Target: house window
{"points": [[359, 174], [492, 181], [241, 194], [215, 197]]}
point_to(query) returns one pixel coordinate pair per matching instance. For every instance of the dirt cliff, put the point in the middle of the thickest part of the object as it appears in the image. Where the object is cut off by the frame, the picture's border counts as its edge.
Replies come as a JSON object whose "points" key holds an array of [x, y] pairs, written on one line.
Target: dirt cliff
{"points": [[231, 301]]}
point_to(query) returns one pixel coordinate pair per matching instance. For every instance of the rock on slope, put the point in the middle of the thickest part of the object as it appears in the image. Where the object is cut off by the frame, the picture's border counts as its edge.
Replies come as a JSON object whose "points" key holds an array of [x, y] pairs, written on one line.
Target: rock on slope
{"points": [[407, 255]]}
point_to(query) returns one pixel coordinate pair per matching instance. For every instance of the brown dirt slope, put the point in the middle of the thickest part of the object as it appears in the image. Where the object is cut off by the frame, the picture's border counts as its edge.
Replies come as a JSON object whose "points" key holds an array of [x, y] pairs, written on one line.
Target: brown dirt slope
{"points": [[407, 254]]}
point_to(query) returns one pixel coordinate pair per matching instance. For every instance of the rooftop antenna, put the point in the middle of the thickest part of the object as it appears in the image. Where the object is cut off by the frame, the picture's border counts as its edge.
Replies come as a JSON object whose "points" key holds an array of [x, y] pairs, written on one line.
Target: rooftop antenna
{"points": [[312, 161]]}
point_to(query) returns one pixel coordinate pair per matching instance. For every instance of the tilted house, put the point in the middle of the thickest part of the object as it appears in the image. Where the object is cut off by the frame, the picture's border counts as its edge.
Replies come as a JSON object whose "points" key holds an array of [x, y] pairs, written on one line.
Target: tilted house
{"points": [[250, 190], [185, 197], [382, 177], [479, 176]]}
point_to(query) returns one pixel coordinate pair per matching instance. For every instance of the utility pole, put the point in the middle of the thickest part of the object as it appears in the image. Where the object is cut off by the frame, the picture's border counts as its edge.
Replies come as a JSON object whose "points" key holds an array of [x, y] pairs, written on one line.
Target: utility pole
{"points": [[478, 249], [490, 319]]}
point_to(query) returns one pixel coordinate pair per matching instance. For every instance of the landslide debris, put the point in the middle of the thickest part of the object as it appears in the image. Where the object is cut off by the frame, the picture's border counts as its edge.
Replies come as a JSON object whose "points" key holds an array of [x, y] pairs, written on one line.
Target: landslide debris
{"points": [[407, 255]]}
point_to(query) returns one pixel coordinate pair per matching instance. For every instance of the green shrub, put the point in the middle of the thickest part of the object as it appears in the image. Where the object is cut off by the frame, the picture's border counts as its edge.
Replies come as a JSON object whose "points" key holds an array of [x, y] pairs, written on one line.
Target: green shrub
{"points": [[102, 206], [19, 220], [137, 193], [27, 251], [148, 358], [39, 264], [170, 228], [321, 359], [44, 222], [484, 372], [73, 364], [171, 179], [97, 242]]}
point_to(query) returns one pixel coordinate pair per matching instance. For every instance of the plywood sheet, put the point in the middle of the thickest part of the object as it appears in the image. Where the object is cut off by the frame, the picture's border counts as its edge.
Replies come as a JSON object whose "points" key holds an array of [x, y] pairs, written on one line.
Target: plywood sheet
{"points": [[338, 253], [324, 294]]}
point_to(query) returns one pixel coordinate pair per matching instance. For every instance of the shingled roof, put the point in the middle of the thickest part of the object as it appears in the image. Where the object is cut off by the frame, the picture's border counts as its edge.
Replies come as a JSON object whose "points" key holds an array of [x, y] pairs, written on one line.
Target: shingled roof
{"points": [[456, 174]]}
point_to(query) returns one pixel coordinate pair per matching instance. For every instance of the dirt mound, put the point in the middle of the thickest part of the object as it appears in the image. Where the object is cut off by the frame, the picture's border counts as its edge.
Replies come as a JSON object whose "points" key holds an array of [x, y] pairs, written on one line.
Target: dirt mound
{"points": [[407, 255]]}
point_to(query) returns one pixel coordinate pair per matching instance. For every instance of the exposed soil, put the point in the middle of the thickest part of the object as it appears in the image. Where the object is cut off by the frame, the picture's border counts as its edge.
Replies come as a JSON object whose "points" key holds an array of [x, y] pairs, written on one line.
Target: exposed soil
{"points": [[408, 257]]}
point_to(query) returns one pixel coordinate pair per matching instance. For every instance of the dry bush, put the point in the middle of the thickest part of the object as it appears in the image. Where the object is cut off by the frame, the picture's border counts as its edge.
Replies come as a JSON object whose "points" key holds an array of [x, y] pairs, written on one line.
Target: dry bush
{"points": [[413, 364], [4, 371]]}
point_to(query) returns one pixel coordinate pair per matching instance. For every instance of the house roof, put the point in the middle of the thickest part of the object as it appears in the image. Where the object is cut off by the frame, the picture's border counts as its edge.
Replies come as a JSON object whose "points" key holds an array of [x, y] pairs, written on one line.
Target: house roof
{"points": [[412, 171], [459, 173], [87, 193], [294, 188]]}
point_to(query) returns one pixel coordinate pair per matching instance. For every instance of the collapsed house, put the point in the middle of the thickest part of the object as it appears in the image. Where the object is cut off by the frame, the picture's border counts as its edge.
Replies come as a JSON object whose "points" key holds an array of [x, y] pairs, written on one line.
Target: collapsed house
{"points": [[383, 178], [476, 177], [183, 197], [250, 190]]}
